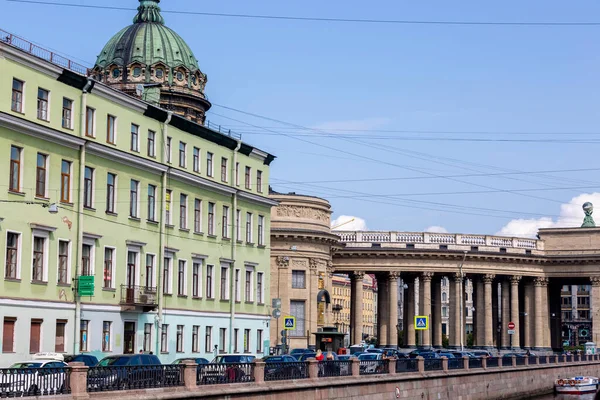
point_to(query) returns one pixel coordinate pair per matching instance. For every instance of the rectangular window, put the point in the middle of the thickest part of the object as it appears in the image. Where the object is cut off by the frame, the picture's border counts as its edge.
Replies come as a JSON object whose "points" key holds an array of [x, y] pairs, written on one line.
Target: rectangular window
{"points": [[59, 338], [246, 340], [168, 149], [151, 144], [41, 175], [168, 215], [223, 169], [67, 113], [259, 341], [39, 247], [12, 255], [237, 174], [88, 188], [15, 169], [208, 340], [164, 339], [149, 271], [111, 129], [133, 199], [8, 335], [259, 181], [209, 281], [297, 310], [238, 225], [106, 342], [211, 219], [224, 283], [298, 280], [148, 337], [90, 116], [111, 186], [83, 335], [166, 276], [135, 144], [249, 227], [183, 211], [65, 182], [179, 342], [63, 261], [109, 256], [259, 287], [225, 222], [248, 285], [236, 285], [248, 178], [17, 96], [151, 203], [86, 260], [236, 340], [261, 235], [196, 277], [197, 215], [181, 278], [222, 339], [42, 104], [182, 147], [196, 160], [35, 333], [209, 164], [195, 339]]}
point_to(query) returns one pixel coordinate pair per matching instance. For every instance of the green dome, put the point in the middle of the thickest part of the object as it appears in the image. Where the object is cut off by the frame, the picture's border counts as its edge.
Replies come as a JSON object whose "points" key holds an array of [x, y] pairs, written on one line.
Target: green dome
{"points": [[147, 42]]}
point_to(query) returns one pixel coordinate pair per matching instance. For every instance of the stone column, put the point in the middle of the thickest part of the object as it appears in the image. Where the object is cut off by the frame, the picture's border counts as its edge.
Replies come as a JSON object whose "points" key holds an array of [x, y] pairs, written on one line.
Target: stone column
{"points": [[436, 317], [496, 312], [488, 314], [527, 309], [425, 305], [383, 322], [538, 335], [357, 306], [409, 312], [545, 315], [505, 315], [514, 310], [595, 306], [393, 309], [455, 310], [480, 306]]}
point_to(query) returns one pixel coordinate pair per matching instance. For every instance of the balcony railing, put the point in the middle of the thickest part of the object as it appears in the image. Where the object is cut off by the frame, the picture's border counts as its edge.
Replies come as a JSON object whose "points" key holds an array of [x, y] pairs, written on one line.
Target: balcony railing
{"points": [[144, 296]]}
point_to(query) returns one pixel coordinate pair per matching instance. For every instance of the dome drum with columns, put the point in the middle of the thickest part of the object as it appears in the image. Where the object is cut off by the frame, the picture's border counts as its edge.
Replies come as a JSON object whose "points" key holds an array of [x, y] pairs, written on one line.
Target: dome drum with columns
{"points": [[151, 54]]}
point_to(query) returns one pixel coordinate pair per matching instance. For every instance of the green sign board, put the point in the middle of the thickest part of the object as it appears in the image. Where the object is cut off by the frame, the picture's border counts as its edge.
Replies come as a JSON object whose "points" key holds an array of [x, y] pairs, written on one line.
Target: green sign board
{"points": [[86, 285]]}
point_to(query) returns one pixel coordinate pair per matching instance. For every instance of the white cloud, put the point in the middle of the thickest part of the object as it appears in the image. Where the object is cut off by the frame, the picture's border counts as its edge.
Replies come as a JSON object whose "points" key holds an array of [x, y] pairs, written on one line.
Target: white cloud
{"points": [[357, 224], [367, 123], [571, 215], [436, 229]]}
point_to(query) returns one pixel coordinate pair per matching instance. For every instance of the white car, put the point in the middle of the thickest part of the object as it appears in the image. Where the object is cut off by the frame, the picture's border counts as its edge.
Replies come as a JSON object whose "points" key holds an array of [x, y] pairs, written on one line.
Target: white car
{"points": [[45, 374], [370, 363]]}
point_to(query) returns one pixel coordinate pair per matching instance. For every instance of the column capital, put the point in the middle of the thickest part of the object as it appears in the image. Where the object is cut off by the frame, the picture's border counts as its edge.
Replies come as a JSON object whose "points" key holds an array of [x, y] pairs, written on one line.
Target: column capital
{"points": [[394, 276], [357, 275], [540, 281], [426, 276], [457, 277], [595, 281], [488, 278], [283, 262], [514, 280]]}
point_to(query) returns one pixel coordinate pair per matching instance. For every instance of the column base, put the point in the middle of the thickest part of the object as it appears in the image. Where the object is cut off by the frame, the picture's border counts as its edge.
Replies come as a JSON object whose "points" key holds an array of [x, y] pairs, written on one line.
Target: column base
{"points": [[504, 348], [410, 347], [438, 346]]}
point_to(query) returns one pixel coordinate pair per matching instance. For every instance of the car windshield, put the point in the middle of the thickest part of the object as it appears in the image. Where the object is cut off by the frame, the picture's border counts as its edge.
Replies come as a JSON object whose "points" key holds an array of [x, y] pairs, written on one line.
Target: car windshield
{"points": [[275, 359], [27, 365], [231, 359], [298, 351], [116, 361], [367, 357]]}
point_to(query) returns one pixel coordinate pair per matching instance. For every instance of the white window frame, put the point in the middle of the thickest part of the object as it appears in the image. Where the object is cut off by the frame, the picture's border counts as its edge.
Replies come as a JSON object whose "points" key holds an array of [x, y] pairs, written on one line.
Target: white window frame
{"points": [[237, 276], [46, 236], [69, 258], [227, 280], [210, 170], [137, 199], [186, 217], [184, 155], [137, 144], [261, 232], [249, 232], [49, 104], [154, 267], [22, 166], [212, 281], [252, 282], [225, 220], [93, 135], [197, 260], [185, 277], [260, 297], [93, 189], [164, 328], [238, 225], [19, 252], [168, 149], [23, 94], [112, 267], [138, 250], [116, 119], [92, 243], [171, 257], [200, 215], [70, 199], [47, 174], [196, 161], [153, 148]]}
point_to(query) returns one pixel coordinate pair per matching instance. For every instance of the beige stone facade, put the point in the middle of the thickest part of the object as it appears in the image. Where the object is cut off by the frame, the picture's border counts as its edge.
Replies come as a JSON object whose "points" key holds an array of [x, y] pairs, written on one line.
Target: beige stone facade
{"points": [[341, 300]]}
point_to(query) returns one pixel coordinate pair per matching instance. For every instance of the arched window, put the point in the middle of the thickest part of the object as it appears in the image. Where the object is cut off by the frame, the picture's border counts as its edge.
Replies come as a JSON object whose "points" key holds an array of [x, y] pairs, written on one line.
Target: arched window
{"points": [[444, 297]]}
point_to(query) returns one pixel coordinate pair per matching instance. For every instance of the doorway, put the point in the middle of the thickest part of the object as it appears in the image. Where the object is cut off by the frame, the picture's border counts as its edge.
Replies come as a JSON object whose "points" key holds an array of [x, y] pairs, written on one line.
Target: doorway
{"points": [[129, 338]]}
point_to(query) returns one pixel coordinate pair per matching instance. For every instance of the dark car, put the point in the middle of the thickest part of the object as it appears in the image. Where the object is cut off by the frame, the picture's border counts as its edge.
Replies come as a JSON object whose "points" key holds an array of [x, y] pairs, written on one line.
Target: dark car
{"points": [[395, 353], [283, 367], [198, 361], [461, 354], [87, 359], [374, 350], [419, 352], [481, 353], [306, 356], [108, 374], [296, 353]]}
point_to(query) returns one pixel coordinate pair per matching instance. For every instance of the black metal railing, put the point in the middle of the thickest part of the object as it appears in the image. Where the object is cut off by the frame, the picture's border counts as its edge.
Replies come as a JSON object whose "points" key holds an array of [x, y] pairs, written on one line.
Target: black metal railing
{"points": [[562, 359], [520, 360], [475, 363], [371, 367], [532, 360], [569, 358], [335, 368], [280, 371], [492, 362], [434, 364], [212, 374], [29, 382], [456, 363], [102, 379], [543, 359], [139, 295], [406, 365]]}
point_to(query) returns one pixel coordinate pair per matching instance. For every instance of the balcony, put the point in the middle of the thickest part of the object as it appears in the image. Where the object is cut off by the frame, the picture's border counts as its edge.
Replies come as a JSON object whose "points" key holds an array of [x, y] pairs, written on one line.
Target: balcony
{"points": [[141, 298]]}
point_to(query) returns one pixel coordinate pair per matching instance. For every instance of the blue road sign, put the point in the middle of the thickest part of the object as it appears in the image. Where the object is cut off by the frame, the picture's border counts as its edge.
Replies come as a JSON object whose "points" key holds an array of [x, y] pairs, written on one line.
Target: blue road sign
{"points": [[421, 323], [289, 323]]}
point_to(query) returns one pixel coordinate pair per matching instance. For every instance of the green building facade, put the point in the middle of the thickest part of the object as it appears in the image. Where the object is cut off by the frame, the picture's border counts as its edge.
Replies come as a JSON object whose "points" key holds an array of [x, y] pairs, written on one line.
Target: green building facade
{"points": [[169, 219]]}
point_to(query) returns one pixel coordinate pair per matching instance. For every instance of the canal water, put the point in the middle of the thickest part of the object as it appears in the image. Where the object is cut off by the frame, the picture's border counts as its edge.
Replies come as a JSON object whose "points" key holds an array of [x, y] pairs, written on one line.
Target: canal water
{"points": [[562, 397]]}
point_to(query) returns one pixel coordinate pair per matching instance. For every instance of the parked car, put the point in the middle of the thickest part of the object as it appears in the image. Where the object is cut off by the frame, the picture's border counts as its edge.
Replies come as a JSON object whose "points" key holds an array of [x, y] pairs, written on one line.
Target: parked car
{"points": [[369, 363], [198, 361], [296, 353], [226, 372], [461, 354], [125, 378], [44, 372], [448, 355], [233, 358], [306, 356], [481, 353], [87, 359], [374, 350], [395, 353], [419, 352], [283, 366]]}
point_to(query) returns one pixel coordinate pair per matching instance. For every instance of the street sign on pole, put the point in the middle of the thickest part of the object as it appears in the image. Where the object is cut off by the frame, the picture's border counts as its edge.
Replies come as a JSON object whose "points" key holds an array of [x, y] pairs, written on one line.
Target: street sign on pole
{"points": [[289, 323], [421, 323], [511, 325], [511, 331], [86, 285]]}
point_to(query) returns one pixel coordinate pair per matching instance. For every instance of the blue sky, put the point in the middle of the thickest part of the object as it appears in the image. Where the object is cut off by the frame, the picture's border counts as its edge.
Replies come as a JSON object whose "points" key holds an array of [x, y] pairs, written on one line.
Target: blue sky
{"points": [[363, 79]]}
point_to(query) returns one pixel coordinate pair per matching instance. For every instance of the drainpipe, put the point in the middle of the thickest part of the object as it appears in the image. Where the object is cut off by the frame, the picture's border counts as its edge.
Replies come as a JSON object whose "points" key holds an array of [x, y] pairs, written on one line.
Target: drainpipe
{"points": [[233, 247], [79, 250], [161, 237]]}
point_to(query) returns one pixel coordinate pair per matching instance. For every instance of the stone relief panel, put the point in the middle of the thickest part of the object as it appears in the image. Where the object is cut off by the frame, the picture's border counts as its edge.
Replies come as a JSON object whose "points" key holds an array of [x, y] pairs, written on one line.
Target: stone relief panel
{"points": [[302, 212], [299, 263]]}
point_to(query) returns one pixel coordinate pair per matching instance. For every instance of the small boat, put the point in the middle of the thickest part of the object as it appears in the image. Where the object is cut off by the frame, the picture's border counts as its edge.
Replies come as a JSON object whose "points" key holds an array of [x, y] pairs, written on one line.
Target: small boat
{"points": [[576, 385]]}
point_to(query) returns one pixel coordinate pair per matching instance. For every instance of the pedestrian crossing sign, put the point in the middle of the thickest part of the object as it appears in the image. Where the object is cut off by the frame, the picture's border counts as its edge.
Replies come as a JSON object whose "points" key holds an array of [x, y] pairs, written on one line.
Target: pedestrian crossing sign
{"points": [[421, 323], [289, 323]]}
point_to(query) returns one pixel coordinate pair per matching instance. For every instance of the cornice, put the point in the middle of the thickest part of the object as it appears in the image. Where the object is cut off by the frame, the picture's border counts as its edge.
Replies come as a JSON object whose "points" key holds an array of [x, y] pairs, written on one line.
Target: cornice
{"points": [[29, 128], [30, 61], [125, 158], [254, 198]]}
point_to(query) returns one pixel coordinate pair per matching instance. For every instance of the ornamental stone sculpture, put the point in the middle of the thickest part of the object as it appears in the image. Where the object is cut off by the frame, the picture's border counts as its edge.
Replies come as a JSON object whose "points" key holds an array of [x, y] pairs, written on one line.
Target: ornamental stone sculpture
{"points": [[588, 221]]}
